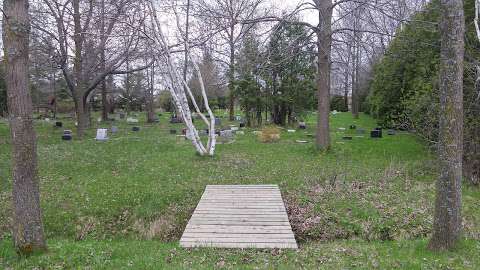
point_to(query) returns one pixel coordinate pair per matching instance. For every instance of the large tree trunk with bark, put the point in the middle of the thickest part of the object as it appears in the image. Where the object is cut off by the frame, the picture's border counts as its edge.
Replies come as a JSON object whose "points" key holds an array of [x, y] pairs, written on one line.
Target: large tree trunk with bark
{"points": [[27, 216], [324, 43], [83, 114], [231, 76], [448, 220]]}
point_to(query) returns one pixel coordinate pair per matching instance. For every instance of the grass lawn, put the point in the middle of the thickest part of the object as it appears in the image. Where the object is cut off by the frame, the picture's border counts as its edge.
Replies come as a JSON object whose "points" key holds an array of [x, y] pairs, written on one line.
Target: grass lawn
{"points": [[124, 203]]}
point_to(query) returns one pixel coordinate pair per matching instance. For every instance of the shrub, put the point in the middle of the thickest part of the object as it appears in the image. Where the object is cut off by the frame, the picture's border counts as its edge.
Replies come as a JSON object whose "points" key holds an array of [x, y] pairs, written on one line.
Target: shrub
{"points": [[269, 135]]}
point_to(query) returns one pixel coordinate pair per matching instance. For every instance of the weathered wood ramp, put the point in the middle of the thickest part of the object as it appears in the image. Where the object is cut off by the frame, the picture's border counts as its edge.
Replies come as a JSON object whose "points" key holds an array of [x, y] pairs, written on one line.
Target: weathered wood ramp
{"points": [[241, 216]]}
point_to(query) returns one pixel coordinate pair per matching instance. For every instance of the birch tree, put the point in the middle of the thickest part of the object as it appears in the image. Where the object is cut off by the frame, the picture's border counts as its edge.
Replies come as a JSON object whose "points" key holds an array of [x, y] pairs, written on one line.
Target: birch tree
{"points": [[28, 232], [448, 219], [178, 87]]}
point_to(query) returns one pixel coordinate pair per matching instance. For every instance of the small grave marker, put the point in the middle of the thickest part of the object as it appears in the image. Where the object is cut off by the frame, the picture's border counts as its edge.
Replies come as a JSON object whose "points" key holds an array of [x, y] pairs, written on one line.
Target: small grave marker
{"points": [[242, 125], [347, 138], [135, 129], [67, 135], [361, 131], [114, 129], [58, 124], [302, 125], [391, 132], [101, 135], [131, 120], [376, 134]]}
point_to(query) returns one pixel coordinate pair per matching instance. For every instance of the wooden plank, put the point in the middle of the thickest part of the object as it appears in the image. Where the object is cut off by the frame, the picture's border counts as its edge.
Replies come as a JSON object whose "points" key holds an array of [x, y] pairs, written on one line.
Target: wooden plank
{"points": [[240, 231], [242, 216], [188, 235], [237, 240], [238, 245]]}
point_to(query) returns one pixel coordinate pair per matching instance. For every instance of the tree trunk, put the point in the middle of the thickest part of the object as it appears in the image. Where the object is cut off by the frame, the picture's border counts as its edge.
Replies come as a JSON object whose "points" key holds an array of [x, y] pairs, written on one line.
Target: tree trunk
{"points": [[102, 67], [231, 76], [324, 43], [356, 68], [83, 116], [150, 97], [448, 222], [28, 232]]}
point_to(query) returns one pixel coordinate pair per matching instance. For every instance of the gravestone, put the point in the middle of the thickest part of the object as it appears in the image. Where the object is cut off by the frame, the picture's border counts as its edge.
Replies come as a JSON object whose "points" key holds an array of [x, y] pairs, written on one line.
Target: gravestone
{"points": [[361, 131], [342, 129], [58, 124], [226, 133], [239, 132], [242, 125], [238, 118], [122, 115], [218, 122], [302, 125], [233, 128], [291, 131], [353, 127], [131, 120], [67, 135], [114, 129], [347, 138], [101, 134], [301, 141], [135, 129], [175, 120], [391, 132], [376, 134]]}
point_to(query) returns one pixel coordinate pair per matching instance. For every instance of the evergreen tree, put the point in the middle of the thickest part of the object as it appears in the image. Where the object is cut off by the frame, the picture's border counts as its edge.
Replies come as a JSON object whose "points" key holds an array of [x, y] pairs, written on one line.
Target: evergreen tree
{"points": [[291, 73]]}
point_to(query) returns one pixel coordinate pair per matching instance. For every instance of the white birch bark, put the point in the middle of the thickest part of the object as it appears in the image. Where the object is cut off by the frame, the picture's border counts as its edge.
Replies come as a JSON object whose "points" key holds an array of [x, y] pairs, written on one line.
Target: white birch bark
{"points": [[179, 86]]}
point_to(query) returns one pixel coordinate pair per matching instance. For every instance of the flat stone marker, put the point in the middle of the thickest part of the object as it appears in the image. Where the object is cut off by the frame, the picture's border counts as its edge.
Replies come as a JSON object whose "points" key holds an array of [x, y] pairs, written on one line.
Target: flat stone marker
{"points": [[240, 216]]}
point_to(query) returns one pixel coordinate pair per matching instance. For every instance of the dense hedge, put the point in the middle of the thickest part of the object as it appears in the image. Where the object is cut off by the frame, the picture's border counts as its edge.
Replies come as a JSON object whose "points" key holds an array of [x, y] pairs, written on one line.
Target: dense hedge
{"points": [[404, 89]]}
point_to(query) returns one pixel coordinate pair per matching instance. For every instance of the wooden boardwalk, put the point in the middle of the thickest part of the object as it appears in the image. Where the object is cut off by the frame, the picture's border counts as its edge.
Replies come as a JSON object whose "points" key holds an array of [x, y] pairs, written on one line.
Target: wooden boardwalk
{"points": [[240, 216]]}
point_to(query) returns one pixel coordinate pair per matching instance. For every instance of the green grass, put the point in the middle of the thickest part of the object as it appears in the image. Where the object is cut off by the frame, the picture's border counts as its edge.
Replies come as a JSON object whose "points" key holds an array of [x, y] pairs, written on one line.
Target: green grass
{"points": [[366, 203]]}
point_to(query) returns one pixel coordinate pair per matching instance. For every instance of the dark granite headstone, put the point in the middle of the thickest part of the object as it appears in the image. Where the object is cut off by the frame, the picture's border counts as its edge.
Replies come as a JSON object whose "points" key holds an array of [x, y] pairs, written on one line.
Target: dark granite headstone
{"points": [[376, 133], [175, 120], [67, 135], [353, 127], [135, 129], [348, 138], [242, 125], [58, 124], [218, 122]]}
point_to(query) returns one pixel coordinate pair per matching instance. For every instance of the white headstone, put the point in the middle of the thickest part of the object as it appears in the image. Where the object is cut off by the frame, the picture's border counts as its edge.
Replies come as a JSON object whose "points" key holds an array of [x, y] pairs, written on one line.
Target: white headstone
{"points": [[101, 134], [132, 120]]}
